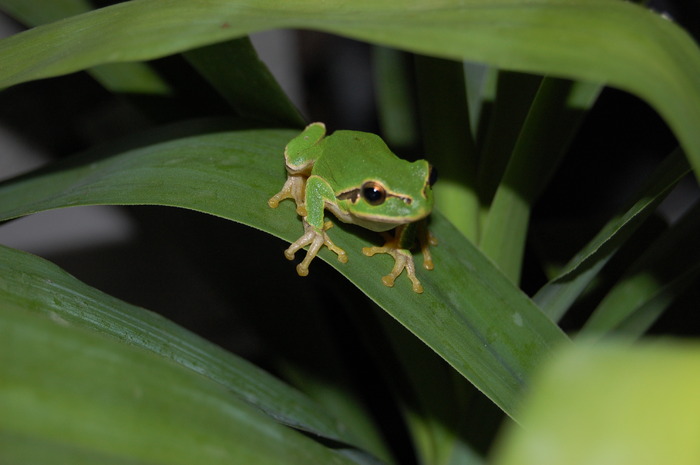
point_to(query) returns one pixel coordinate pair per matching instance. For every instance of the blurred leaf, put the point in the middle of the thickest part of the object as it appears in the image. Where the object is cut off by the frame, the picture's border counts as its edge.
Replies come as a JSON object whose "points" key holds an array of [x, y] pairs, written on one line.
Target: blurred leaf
{"points": [[34, 284], [35, 12], [248, 87], [73, 396], [131, 78], [652, 283], [394, 94], [554, 118], [470, 314], [556, 296], [604, 41], [444, 120], [511, 100], [479, 79], [607, 404]]}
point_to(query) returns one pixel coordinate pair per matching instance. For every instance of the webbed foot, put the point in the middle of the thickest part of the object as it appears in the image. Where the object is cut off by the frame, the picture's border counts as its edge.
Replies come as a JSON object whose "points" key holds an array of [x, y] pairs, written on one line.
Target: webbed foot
{"points": [[403, 259], [315, 239]]}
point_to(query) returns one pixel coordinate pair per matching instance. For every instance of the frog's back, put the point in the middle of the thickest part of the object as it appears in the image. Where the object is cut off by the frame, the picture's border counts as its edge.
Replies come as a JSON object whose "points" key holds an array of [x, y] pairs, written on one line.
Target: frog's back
{"points": [[349, 157]]}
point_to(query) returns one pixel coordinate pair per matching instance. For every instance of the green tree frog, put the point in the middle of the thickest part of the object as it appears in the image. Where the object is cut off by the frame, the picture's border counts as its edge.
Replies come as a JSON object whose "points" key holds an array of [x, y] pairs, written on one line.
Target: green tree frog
{"points": [[356, 177]]}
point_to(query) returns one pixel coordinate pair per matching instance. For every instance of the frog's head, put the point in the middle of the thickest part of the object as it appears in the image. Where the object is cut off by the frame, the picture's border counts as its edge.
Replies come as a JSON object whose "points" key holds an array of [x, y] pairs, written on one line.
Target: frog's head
{"points": [[393, 197]]}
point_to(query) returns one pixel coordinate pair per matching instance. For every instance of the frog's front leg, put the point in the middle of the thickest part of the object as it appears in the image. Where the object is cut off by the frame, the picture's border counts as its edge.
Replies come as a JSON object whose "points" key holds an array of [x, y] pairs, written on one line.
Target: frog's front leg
{"points": [[398, 246], [317, 192], [315, 239]]}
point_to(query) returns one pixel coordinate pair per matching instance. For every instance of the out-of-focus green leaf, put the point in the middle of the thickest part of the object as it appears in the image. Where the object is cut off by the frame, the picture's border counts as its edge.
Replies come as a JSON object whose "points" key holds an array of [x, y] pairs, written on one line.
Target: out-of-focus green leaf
{"points": [[442, 98], [31, 283], [128, 78], [68, 395], [554, 117], [652, 283], [394, 93], [604, 41], [556, 297], [36, 12], [603, 403], [470, 314], [235, 71]]}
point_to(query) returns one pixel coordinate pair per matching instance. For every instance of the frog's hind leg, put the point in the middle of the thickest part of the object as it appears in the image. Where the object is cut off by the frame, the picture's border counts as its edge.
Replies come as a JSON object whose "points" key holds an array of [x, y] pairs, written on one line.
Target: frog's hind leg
{"points": [[294, 188]]}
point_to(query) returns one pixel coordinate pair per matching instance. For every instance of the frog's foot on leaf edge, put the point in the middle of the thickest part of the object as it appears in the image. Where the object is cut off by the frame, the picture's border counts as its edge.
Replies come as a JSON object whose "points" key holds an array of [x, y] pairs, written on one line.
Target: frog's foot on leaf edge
{"points": [[315, 239]]}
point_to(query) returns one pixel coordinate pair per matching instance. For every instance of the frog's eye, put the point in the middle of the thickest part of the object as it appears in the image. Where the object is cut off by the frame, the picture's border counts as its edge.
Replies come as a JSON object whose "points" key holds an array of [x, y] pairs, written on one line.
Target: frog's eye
{"points": [[374, 193], [432, 176]]}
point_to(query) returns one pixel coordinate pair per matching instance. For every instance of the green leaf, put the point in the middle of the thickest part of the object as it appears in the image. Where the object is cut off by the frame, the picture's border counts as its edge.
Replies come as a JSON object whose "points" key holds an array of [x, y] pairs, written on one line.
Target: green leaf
{"points": [[556, 296], [132, 78], [604, 41], [555, 115], [394, 94], [605, 403], [442, 98], [69, 395], [31, 283], [249, 87], [470, 314], [652, 282]]}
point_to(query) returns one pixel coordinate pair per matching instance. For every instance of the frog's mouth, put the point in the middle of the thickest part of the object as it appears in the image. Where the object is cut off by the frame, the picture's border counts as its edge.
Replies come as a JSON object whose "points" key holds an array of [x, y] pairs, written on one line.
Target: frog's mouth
{"points": [[377, 223]]}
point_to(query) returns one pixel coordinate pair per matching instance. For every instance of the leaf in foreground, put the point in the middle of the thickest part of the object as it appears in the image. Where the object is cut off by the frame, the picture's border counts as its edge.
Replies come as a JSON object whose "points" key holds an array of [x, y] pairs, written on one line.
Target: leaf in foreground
{"points": [[602, 403], [73, 396]]}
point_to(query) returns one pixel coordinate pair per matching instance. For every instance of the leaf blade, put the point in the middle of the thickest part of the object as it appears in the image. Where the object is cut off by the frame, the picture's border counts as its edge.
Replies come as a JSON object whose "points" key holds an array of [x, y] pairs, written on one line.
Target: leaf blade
{"points": [[642, 53], [465, 295]]}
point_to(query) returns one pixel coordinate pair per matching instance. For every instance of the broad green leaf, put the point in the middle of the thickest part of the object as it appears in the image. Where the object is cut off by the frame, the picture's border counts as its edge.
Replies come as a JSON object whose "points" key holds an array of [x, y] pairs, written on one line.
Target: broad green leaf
{"points": [[556, 296], [608, 404], [652, 282], [34, 284], [604, 41], [68, 395], [555, 115], [471, 314]]}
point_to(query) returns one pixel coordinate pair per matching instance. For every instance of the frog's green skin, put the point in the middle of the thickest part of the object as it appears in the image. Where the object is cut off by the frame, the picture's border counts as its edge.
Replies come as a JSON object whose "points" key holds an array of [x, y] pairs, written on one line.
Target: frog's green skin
{"points": [[355, 176]]}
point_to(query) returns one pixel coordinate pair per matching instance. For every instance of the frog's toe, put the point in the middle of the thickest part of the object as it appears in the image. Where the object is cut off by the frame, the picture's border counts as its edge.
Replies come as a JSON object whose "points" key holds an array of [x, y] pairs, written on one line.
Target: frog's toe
{"points": [[388, 280], [302, 269], [417, 287]]}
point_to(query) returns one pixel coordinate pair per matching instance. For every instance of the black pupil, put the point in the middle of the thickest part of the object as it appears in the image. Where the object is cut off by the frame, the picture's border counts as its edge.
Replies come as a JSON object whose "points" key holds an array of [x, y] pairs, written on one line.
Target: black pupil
{"points": [[374, 195]]}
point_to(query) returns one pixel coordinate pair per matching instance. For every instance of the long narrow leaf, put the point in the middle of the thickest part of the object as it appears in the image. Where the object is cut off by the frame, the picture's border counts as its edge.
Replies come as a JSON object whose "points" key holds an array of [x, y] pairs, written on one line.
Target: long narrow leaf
{"points": [[133, 78], [73, 396], [448, 141], [249, 87], [654, 280], [31, 283], [554, 117], [471, 314], [605, 41], [556, 296]]}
